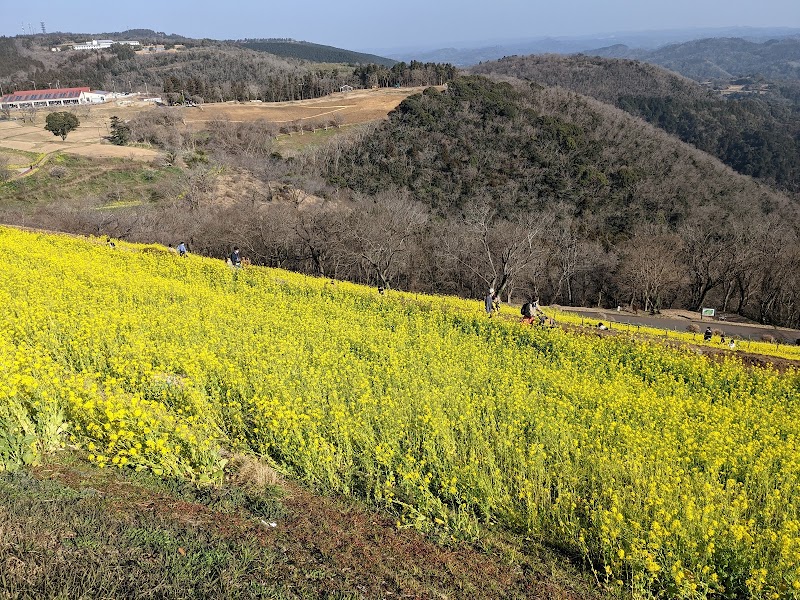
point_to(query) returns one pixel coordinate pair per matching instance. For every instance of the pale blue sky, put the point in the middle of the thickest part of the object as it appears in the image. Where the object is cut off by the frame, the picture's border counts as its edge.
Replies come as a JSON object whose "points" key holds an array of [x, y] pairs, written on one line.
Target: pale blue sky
{"points": [[365, 24]]}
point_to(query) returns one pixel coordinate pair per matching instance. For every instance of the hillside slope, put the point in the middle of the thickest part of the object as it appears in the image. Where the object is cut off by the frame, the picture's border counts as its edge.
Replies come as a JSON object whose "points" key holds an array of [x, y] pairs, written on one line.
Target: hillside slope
{"points": [[755, 135], [457, 425], [528, 147]]}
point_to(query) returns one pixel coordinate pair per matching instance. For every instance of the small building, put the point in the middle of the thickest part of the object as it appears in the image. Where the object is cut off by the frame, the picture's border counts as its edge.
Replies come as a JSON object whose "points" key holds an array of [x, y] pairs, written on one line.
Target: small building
{"points": [[151, 49], [50, 97], [346, 88], [98, 96]]}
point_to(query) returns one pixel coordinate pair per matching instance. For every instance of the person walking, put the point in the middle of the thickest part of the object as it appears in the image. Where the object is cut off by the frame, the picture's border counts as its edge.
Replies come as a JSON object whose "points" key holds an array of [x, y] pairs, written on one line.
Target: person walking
{"points": [[489, 301], [527, 313], [708, 334], [182, 249], [236, 258]]}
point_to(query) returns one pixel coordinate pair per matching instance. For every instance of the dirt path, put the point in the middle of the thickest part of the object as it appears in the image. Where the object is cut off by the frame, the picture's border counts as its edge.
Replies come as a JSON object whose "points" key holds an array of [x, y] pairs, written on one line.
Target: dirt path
{"points": [[681, 320]]}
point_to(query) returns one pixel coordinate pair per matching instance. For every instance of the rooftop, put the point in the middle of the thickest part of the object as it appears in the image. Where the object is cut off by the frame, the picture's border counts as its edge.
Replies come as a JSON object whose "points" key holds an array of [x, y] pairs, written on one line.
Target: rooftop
{"points": [[49, 94]]}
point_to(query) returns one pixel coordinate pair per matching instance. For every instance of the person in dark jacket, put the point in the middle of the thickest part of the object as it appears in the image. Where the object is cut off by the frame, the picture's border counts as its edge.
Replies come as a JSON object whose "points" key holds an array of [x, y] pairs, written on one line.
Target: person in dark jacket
{"points": [[236, 258]]}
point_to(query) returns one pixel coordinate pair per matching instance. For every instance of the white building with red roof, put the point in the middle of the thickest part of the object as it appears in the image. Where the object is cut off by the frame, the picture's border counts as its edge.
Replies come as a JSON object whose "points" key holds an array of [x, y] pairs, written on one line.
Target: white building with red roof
{"points": [[50, 97]]}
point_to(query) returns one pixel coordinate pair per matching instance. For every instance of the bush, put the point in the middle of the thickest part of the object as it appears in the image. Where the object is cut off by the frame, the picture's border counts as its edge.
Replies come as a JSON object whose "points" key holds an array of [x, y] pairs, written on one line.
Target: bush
{"points": [[693, 328], [58, 172]]}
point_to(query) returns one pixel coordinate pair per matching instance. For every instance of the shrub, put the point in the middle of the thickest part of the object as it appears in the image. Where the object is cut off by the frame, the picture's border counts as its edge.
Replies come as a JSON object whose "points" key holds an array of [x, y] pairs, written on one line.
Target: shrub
{"points": [[58, 172]]}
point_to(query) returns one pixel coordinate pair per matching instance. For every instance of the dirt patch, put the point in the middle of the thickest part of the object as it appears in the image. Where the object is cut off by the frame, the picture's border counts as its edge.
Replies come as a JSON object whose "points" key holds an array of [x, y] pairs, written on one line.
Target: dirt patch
{"points": [[87, 140], [348, 108]]}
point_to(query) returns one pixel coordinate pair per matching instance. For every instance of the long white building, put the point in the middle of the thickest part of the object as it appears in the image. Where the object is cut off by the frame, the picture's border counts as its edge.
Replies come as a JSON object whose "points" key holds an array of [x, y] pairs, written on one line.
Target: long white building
{"points": [[95, 45], [50, 97]]}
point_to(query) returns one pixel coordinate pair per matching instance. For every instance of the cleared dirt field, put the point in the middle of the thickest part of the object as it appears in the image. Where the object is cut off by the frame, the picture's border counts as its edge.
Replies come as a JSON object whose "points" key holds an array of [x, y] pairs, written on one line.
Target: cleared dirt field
{"points": [[88, 140], [358, 106], [349, 108]]}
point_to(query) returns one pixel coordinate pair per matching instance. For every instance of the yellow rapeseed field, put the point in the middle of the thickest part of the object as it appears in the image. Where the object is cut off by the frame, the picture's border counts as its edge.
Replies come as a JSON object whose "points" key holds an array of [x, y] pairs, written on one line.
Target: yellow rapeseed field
{"points": [[775, 349], [673, 475]]}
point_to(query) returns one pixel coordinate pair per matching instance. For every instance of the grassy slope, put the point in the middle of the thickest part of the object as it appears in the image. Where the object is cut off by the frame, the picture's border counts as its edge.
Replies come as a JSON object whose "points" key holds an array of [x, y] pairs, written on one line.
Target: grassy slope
{"points": [[68, 529]]}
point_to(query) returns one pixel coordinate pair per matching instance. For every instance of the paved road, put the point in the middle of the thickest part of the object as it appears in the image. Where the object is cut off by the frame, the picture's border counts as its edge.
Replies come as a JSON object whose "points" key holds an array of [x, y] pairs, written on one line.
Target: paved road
{"points": [[741, 330]]}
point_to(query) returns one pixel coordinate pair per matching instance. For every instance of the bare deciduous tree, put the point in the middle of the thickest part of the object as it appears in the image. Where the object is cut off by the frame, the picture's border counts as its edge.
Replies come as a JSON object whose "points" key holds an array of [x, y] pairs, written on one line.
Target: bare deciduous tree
{"points": [[496, 250], [382, 229], [650, 266]]}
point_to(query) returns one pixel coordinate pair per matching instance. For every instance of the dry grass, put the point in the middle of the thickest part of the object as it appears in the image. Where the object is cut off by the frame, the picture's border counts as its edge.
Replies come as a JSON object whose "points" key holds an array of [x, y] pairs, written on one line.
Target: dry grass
{"points": [[250, 472]]}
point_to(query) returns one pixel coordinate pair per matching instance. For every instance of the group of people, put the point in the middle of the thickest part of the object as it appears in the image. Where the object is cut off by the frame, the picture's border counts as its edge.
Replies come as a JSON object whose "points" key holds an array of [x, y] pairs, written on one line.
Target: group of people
{"points": [[531, 313], [182, 250], [492, 302], [708, 334], [234, 259]]}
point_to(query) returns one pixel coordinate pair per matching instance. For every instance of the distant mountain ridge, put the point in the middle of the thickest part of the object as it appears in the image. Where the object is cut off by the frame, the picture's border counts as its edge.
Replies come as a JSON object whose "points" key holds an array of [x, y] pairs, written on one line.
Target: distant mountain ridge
{"points": [[471, 54], [719, 58]]}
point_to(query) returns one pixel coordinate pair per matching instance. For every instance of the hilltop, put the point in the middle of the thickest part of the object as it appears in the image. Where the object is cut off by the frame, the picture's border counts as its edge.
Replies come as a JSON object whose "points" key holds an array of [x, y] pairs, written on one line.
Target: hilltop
{"points": [[757, 134], [314, 52]]}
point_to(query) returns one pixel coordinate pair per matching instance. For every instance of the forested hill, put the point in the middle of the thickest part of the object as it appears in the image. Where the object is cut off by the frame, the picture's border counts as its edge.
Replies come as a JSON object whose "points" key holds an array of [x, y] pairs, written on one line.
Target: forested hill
{"points": [[314, 52], [755, 134], [720, 58], [14, 64], [204, 70], [602, 78], [608, 202], [530, 148]]}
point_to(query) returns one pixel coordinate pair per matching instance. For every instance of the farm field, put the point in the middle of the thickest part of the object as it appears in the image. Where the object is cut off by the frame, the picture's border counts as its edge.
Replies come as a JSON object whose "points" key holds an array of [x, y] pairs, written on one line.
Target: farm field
{"points": [[672, 475], [358, 106]]}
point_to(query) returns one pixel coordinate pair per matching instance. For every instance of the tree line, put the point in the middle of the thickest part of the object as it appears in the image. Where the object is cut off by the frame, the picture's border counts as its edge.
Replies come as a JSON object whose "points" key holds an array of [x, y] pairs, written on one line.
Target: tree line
{"points": [[208, 73]]}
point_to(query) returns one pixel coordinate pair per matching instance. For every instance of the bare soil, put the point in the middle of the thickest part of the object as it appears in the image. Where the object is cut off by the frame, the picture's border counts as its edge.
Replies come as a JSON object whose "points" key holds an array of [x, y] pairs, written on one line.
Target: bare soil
{"points": [[358, 106]]}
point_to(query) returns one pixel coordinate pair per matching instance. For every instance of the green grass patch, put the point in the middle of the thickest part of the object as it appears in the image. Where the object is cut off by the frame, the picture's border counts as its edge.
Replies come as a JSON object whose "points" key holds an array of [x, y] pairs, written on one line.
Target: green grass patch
{"points": [[288, 144], [110, 183], [71, 530]]}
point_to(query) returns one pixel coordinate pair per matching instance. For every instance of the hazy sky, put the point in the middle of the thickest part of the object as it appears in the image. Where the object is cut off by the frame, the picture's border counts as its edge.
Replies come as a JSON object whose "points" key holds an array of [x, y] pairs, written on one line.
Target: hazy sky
{"points": [[362, 24]]}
